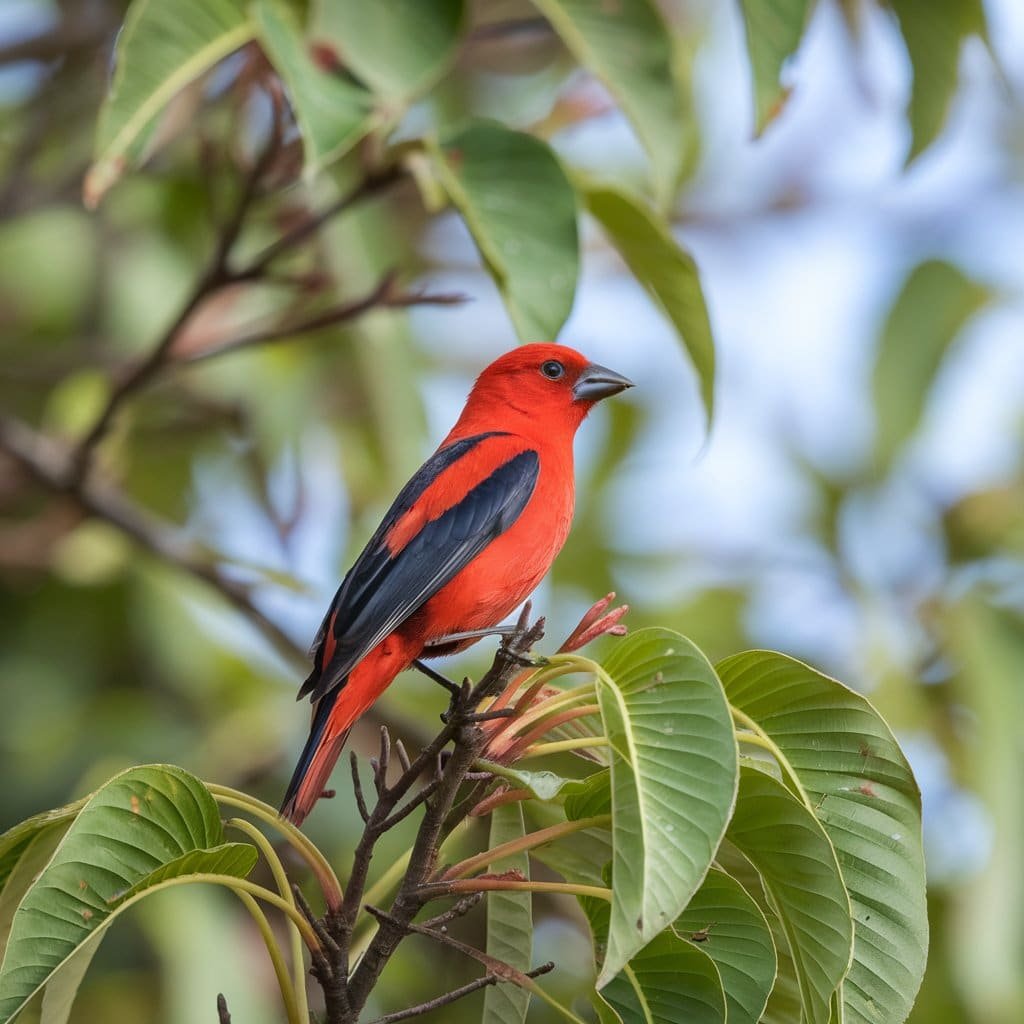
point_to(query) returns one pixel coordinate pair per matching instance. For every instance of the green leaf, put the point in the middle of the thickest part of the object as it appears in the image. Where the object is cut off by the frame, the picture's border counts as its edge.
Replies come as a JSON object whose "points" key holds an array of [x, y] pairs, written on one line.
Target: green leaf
{"points": [[509, 922], [521, 210], [628, 46], [730, 928], [14, 841], [798, 868], [773, 29], [33, 855], [667, 272], [864, 793], [934, 31], [162, 48], [398, 47], [673, 782], [934, 304], [333, 114], [129, 831], [670, 981]]}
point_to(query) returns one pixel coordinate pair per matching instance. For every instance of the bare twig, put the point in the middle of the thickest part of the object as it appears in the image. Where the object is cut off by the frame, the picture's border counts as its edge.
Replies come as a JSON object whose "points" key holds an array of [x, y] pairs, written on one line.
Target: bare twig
{"points": [[51, 465], [357, 787], [216, 274], [439, 1001], [383, 295]]}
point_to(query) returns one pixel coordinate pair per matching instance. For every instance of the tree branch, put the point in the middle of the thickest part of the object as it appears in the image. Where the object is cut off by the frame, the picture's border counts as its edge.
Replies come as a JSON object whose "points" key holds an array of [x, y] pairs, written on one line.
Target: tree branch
{"points": [[216, 274], [219, 273], [51, 465], [383, 295]]}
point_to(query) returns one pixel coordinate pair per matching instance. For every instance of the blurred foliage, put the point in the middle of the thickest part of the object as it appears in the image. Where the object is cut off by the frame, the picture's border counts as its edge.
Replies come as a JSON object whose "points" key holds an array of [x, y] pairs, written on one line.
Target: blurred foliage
{"points": [[276, 462]]}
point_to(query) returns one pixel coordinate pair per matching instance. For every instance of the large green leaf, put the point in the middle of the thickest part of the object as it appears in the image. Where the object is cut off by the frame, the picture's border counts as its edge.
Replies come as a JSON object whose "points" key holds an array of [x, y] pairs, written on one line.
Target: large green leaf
{"points": [[773, 29], [730, 928], [783, 1006], [32, 858], [333, 114], [398, 47], [131, 830], [929, 312], [629, 47], [162, 47], [15, 841], [864, 794], [800, 873], [509, 923], [934, 31], [667, 272], [673, 782], [670, 981], [521, 210]]}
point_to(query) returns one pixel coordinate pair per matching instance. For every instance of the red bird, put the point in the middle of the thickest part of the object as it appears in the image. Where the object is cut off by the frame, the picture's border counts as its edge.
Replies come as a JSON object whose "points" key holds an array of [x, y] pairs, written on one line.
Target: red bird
{"points": [[467, 540]]}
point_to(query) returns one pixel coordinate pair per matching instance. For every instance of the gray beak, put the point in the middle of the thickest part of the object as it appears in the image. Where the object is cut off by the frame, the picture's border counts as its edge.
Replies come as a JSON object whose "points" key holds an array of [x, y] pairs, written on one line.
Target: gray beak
{"points": [[597, 382]]}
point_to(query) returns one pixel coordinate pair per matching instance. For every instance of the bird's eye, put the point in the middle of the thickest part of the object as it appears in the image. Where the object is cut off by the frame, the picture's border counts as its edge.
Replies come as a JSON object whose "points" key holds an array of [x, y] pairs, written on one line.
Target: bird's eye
{"points": [[552, 369]]}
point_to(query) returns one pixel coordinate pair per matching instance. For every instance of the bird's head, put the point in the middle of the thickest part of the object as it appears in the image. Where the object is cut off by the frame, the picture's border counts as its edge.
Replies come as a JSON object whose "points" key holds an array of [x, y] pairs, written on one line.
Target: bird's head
{"points": [[548, 384]]}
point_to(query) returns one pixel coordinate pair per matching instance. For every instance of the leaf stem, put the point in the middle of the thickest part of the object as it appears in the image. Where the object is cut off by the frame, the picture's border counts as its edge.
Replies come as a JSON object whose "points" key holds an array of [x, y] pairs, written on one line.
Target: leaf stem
{"points": [[243, 885], [560, 746], [523, 843], [511, 885], [285, 889], [284, 982], [759, 738], [317, 862]]}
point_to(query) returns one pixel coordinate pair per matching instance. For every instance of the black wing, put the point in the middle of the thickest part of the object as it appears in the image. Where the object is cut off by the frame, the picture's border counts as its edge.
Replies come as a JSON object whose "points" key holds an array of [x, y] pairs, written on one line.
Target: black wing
{"points": [[383, 590]]}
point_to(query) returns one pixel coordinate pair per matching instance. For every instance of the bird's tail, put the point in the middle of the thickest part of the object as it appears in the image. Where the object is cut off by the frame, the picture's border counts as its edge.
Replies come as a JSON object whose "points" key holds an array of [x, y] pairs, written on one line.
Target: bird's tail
{"points": [[318, 758], [335, 714]]}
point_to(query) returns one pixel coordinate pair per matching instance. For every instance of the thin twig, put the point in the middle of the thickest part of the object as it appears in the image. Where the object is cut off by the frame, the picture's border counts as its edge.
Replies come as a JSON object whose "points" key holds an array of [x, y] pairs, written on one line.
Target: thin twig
{"points": [[216, 274], [383, 295], [357, 787], [49, 464], [223, 1017], [439, 1001]]}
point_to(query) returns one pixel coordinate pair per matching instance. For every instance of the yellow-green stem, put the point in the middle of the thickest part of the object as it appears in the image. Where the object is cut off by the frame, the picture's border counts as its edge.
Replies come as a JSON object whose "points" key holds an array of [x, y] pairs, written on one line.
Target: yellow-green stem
{"points": [[291, 1006], [281, 878], [758, 737], [560, 746], [243, 885], [300, 843], [527, 842], [510, 885]]}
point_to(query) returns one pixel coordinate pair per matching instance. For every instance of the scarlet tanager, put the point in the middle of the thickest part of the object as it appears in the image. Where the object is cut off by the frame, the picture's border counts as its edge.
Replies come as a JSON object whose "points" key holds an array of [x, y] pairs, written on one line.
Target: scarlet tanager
{"points": [[466, 541]]}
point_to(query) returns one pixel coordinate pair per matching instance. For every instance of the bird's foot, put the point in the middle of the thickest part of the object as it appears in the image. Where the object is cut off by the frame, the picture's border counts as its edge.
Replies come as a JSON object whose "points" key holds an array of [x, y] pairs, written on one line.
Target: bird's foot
{"points": [[504, 631], [431, 673]]}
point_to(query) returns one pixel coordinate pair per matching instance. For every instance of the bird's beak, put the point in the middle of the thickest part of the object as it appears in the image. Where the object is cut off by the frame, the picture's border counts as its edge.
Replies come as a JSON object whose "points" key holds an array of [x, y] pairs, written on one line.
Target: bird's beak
{"points": [[597, 382]]}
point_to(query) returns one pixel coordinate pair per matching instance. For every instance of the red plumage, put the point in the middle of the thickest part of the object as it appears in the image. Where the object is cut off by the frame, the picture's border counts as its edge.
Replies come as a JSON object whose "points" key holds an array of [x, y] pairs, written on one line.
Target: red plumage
{"points": [[466, 541]]}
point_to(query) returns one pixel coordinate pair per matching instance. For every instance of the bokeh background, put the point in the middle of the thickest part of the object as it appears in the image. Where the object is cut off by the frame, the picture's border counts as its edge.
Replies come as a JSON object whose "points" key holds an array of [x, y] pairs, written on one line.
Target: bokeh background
{"points": [[858, 503]]}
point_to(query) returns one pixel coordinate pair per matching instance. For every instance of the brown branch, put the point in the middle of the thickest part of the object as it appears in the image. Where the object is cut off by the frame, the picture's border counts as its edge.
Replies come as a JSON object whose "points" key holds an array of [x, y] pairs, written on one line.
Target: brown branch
{"points": [[454, 995], [468, 742], [51, 465], [219, 273], [436, 1004], [374, 182], [383, 295], [216, 274]]}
